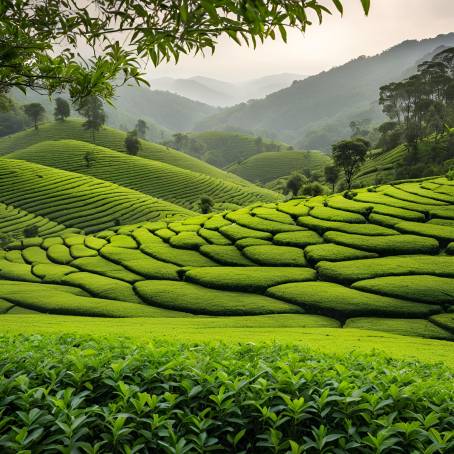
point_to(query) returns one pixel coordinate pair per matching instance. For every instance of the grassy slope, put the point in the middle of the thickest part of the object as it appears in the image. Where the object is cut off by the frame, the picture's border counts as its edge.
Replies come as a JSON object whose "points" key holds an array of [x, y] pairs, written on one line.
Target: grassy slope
{"points": [[246, 252], [284, 329], [76, 200], [109, 138], [225, 148], [265, 167], [167, 182]]}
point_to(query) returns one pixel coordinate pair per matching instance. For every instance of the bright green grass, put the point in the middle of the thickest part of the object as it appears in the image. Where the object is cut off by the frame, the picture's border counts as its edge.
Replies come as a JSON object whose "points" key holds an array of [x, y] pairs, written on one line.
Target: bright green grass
{"points": [[168, 182], [428, 289], [191, 298], [112, 139], [404, 327], [76, 200], [299, 329], [251, 279], [266, 167], [356, 270], [385, 245], [342, 302]]}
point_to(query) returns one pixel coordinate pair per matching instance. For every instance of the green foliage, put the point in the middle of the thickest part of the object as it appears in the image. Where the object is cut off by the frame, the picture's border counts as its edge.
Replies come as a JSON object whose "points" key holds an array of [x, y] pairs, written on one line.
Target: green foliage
{"points": [[428, 289], [194, 299], [62, 109], [91, 107], [132, 144], [211, 405], [294, 183], [276, 255], [342, 302], [35, 112], [331, 176], [349, 155], [151, 31]]}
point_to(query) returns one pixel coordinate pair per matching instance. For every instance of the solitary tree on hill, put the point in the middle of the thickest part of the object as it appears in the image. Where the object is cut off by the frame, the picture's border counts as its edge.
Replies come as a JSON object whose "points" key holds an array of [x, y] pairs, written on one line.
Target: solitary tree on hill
{"points": [[35, 111], [349, 155], [92, 109], [331, 175], [132, 143], [62, 109], [294, 183], [141, 128]]}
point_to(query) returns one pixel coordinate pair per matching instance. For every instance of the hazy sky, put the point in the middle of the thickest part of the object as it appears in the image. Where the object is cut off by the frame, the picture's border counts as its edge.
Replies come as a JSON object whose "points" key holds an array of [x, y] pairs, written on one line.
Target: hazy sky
{"points": [[336, 41]]}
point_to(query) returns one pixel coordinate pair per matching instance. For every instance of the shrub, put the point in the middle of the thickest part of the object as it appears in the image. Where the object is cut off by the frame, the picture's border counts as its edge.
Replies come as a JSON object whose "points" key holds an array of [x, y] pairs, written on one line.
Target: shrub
{"points": [[330, 214], [250, 279], [179, 257], [276, 255], [312, 189], [227, 390], [225, 255], [187, 240], [440, 232], [385, 245], [257, 223], [30, 231], [191, 298], [341, 302], [445, 321], [356, 270], [236, 232], [428, 289], [299, 239], [335, 253]]}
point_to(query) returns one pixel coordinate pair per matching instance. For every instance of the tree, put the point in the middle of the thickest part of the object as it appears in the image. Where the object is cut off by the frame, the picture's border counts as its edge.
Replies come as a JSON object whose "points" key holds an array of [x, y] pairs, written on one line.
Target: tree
{"points": [[35, 111], [89, 158], [349, 155], [92, 109], [206, 204], [294, 183], [141, 128], [62, 109], [132, 143], [312, 189], [43, 37], [331, 175]]}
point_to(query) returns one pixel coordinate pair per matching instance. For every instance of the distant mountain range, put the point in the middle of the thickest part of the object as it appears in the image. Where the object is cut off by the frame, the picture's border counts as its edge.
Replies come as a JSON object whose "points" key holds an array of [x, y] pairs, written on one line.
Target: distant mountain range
{"points": [[221, 93], [315, 112]]}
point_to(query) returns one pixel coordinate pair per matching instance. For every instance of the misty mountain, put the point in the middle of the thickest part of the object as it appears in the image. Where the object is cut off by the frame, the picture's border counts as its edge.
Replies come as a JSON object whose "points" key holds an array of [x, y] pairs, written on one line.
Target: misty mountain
{"points": [[316, 111], [220, 93]]}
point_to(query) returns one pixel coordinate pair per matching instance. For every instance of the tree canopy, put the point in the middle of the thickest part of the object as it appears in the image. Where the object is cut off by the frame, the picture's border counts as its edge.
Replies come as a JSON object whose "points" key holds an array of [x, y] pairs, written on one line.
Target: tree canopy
{"points": [[43, 42]]}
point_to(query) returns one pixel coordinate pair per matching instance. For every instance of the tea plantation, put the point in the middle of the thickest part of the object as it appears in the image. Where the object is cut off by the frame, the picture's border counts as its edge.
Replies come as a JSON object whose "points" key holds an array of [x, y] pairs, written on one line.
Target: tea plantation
{"points": [[379, 258]]}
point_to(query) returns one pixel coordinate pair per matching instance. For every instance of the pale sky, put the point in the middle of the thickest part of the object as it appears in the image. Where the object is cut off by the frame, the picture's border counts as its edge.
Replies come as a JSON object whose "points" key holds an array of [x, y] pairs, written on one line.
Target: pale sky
{"points": [[336, 41]]}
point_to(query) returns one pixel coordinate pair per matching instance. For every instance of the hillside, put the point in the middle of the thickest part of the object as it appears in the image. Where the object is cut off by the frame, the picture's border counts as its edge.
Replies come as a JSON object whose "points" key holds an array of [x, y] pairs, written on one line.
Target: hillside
{"points": [[222, 93], [112, 139], [76, 200], [343, 93], [154, 178], [265, 167], [381, 259], [225, 148]]}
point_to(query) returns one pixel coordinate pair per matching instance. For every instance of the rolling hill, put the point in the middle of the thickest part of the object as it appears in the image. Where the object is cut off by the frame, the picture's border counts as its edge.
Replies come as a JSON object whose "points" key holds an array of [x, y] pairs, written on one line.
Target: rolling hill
{"points": [[225, 148], [342, 94], [76, 200], [266, 167], [112, 139], [154, 178], [380, 258]]}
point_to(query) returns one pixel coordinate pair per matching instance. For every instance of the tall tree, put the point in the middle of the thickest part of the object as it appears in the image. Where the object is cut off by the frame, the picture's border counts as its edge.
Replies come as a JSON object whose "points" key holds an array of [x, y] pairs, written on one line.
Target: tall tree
{"points": [[43, 37], [35, 111], [62, 109], [92, 109], [132, 143], [294, 183], [348, 155], [206, 204], [331, 175], [141, 128]]}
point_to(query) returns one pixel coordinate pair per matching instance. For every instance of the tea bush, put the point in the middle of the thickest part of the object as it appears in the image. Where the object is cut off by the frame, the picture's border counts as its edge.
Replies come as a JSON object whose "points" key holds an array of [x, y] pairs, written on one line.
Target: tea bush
{"points": [[75, 394]]}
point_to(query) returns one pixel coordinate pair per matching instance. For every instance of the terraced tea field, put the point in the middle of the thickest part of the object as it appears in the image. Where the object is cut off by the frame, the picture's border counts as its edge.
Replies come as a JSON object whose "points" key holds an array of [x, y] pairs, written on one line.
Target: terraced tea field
{"points": [[380, 258], [114, 140], [158, 179], [266, 167], [74, 200]]}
